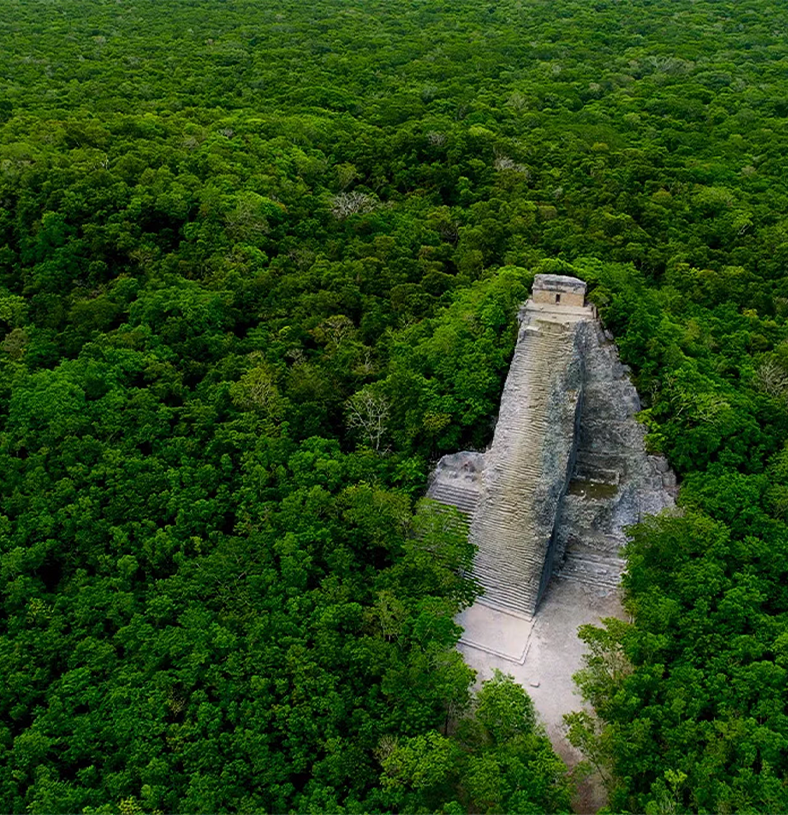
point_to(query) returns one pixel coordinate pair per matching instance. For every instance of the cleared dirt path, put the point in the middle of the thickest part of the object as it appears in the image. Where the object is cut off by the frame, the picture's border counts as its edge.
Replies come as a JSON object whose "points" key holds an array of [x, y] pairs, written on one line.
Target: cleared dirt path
{"points": [[542, 653]]}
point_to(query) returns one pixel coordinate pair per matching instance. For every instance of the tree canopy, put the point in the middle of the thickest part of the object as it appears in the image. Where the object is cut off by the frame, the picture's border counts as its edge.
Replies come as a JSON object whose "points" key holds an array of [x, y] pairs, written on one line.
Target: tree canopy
{"points": [[259, 266]]}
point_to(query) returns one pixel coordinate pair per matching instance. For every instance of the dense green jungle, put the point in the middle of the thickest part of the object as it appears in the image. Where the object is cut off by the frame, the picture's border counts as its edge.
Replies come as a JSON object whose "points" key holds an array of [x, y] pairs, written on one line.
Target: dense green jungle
{"points": [[259, 267]]}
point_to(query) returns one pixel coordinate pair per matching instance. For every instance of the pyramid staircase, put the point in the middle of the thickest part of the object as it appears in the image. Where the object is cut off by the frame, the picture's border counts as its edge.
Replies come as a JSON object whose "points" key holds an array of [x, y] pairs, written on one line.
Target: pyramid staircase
{"points": [[510, 526]]}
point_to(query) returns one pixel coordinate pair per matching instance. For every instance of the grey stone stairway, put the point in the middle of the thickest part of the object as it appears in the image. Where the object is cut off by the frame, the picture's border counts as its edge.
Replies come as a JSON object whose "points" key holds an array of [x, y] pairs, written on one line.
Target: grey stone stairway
{"points": [[526, 467], [455, 495]]}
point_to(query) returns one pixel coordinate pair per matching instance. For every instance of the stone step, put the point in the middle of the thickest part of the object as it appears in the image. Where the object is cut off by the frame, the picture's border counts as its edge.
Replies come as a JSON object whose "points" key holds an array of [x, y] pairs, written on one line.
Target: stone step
{"points": [[508, 599], [608, 557], [588, 544], [461, 497], [593, 572]]}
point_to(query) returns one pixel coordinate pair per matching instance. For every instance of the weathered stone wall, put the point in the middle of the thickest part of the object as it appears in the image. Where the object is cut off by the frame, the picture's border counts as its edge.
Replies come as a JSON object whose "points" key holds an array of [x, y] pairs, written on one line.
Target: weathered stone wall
{"points": [[616, 483], [562, 298]]}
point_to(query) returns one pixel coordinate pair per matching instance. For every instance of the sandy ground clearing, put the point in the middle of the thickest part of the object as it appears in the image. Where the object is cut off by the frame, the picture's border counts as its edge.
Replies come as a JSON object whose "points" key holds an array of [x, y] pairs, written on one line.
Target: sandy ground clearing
{"points": [[542, 653]]}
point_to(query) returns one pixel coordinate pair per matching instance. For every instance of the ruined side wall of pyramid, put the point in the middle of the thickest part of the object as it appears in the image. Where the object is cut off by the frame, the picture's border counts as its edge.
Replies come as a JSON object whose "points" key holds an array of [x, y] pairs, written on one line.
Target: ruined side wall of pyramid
{"points": [[616, 483]]}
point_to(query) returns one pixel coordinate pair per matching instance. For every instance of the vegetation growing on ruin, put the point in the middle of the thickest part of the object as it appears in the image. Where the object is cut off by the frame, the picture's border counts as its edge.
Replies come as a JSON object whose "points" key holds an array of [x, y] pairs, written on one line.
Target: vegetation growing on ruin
{"points": [[259, 264]]}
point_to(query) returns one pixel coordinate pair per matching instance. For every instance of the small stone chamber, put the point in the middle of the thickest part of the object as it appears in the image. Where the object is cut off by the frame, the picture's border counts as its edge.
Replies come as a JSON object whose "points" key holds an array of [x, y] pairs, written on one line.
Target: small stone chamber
{"points": [[558, 290]]}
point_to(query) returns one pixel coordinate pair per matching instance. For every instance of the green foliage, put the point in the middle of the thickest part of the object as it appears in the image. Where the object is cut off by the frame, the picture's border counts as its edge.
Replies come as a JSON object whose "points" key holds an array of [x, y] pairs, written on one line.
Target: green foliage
{"points": [[258, 267], [682, 693], [498, 760], [692, 695], [447, 373]]}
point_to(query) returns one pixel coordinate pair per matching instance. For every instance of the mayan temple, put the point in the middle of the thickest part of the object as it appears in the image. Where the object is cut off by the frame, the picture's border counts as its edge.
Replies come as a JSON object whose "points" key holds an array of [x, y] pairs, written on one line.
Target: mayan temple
{"points": [[567, 469]]}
